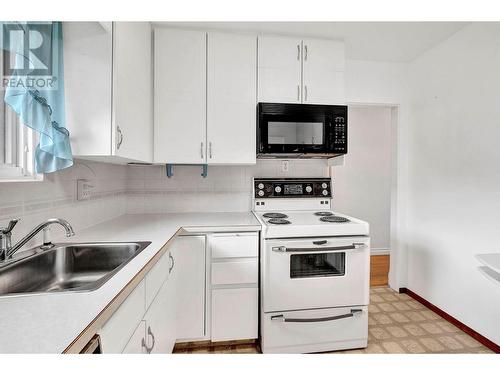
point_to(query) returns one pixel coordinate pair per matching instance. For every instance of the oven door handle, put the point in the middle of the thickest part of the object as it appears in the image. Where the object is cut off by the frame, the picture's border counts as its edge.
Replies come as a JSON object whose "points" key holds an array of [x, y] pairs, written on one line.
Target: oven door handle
{"points": [[284, 249], [281, 317]]}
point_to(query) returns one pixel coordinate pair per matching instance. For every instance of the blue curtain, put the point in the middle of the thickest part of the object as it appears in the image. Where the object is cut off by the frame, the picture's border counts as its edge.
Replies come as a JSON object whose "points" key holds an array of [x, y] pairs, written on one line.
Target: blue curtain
{"points": [[37, 95]]}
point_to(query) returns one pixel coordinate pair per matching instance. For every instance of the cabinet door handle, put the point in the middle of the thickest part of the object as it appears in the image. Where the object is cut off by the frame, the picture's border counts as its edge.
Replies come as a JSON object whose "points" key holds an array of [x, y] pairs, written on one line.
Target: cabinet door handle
{"points": [[305, 93], [298, 92], [120, 137], [144, 345], [298, 52], [172, 262], [210, 149], [305, 52], [201, 150]]}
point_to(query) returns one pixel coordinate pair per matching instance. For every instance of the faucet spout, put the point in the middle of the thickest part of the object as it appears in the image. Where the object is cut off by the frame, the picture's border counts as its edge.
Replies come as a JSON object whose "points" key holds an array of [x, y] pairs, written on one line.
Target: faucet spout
{"points": [[8, 251]]}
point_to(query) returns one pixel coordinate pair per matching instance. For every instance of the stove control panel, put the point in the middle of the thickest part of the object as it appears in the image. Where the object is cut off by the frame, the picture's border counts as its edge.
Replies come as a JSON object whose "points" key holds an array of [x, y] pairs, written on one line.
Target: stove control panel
{"points": [[292, 188]]}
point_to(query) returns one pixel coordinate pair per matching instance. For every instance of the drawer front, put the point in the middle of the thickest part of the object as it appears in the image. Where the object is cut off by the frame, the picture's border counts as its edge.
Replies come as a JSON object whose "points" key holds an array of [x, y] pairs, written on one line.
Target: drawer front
{"points": [[116, 333], [235, 314], [243, 271], [156, 277], [344, 332], [235, 245]]}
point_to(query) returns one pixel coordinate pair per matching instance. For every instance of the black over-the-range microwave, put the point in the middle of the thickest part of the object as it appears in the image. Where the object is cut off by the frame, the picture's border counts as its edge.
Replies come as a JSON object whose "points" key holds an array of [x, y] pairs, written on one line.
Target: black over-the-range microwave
{"points": [[301, 130]]}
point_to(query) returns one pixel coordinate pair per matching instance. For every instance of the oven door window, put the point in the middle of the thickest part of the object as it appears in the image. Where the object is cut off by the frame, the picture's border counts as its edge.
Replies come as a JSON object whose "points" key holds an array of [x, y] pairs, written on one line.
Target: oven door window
{"points": [[317, 265]]}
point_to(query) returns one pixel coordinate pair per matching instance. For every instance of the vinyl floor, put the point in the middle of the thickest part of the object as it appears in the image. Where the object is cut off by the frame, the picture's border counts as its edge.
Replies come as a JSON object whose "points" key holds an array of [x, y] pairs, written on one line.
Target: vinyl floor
{"points": [[397, 324]]}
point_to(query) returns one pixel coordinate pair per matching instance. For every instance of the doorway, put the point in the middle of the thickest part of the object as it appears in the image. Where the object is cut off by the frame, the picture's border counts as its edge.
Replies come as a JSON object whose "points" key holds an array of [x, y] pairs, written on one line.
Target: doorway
{"points": [[363, 186]]}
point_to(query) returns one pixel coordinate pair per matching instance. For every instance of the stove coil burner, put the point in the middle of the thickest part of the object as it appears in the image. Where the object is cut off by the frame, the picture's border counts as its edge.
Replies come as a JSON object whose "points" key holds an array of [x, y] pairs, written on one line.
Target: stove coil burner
{"points": [[279, 221], [324, 213], [334, 219], [275, 215]]}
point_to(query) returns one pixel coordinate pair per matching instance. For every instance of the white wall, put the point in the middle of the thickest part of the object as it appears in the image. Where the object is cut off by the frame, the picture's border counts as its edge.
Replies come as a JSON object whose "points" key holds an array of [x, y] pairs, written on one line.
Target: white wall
{"points": [[362, 187], [454, 175]]}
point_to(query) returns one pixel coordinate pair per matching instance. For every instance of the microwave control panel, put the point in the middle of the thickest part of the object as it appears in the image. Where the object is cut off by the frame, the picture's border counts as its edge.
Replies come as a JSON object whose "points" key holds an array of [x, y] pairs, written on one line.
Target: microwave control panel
{"points": [[338, 135], [292, 188]]}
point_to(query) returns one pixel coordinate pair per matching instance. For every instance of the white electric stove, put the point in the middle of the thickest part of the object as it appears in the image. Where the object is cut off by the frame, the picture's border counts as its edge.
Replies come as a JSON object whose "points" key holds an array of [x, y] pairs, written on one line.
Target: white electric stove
{"points": [[315, 266]]}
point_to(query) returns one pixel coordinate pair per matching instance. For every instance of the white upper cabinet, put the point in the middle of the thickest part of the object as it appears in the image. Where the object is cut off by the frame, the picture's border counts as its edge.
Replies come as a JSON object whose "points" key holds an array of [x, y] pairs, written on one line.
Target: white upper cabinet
{"points": [[232, 92], [296, 70], [205, 97], [133, 91], [280, 64], [323, 72], [180, 96], [108, 109]]}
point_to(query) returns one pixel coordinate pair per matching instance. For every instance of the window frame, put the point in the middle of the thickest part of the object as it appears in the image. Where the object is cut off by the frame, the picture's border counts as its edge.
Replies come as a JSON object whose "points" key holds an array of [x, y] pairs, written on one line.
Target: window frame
{"points": [[18, 143]]}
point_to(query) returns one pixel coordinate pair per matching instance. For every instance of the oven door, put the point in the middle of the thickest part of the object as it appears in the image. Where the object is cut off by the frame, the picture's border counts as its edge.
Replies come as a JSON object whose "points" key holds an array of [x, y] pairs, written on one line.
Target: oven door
{"points": [[316, 273]]}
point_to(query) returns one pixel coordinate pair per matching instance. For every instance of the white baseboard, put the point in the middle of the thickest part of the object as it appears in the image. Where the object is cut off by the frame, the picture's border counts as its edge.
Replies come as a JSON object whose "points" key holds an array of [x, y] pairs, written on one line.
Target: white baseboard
{"points": [[380, 251]]}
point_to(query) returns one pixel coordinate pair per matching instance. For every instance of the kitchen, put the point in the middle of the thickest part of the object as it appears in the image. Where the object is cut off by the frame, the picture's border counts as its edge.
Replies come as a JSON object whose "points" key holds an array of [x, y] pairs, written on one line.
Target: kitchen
{"points": [[264, 187]]}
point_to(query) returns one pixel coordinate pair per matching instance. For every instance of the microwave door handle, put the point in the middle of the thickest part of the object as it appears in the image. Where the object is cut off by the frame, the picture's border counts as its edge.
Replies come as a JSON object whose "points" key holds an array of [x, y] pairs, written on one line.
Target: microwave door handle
{"points": [[284, 249], [282, 318]]}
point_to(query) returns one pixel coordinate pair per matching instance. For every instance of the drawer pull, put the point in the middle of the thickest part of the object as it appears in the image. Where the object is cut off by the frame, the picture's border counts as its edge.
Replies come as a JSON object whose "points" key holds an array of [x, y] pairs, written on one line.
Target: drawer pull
{"points": [[281, 318]]}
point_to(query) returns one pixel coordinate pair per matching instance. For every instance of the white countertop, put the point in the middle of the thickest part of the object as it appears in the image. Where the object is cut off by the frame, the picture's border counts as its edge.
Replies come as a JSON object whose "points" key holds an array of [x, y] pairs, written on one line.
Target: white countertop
{"points": [[48, 323]]}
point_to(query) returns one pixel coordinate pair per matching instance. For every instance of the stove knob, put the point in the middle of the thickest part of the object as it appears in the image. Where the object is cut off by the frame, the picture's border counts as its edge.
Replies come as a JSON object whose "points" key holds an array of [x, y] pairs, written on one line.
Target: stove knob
{"points": [[309, 189], [260, 186], [277, 189], [325, 192], [261, 193], [324, 185]]}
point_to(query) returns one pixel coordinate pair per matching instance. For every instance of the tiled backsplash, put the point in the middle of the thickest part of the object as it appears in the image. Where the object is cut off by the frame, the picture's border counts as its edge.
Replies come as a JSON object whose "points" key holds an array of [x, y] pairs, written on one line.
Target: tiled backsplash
{"points": [[224, 189], [55, 196], [137, 189]]}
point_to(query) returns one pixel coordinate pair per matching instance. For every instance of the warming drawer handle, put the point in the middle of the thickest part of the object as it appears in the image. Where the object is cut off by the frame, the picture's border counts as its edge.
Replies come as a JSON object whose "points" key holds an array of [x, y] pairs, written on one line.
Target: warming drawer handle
{"points": [[284, 249], [281, 318]]}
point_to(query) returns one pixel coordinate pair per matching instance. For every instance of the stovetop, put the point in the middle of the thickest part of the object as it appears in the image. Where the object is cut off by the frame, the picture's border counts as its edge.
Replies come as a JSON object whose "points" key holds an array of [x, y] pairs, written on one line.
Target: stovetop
{"points": [[293, 224]]}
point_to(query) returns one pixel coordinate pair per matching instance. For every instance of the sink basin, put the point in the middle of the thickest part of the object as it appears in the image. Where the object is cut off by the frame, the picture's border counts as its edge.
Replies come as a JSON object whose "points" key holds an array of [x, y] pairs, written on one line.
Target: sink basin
{"points": [[67, 267]]}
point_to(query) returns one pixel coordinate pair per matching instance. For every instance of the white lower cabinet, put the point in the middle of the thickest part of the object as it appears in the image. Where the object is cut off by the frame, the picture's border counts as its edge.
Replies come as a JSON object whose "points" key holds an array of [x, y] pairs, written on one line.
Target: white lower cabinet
{"points": [[234, 286], [145, 322], [137, 343], [170, 304], [160, 321], [190, 258], [116, 333], [235, 314]]}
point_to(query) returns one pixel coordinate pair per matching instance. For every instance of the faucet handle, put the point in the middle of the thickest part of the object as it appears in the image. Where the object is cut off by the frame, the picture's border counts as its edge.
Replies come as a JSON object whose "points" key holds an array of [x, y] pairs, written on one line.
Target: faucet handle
{"points": [[10, 226]]}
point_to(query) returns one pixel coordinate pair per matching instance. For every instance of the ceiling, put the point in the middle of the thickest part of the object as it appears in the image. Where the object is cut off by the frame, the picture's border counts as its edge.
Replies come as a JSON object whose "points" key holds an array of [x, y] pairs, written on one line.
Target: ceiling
{"points": [[380, 41]]}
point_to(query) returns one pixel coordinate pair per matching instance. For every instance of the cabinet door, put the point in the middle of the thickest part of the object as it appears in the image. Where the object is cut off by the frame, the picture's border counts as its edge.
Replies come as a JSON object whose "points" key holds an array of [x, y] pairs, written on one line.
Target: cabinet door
{"points": [[323, 72], [235, 314], [160, 319], [179, 96], [279, 73], [232, 95], [136, 344], [132, 91], [116, 333], [189, 268], [87, 86]]}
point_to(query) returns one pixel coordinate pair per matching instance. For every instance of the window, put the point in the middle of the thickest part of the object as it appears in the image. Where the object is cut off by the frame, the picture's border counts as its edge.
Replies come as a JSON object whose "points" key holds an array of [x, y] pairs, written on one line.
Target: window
{"points": [[17, 143]]}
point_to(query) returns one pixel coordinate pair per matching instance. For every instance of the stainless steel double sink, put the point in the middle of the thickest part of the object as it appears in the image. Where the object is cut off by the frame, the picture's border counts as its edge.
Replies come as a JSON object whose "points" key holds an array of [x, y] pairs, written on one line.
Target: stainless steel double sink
{"points": [[66, 267]]}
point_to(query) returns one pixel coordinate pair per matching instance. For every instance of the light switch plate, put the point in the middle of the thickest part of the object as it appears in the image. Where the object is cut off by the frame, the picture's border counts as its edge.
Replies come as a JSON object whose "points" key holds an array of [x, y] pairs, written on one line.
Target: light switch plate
{"points": [[84, 189]]}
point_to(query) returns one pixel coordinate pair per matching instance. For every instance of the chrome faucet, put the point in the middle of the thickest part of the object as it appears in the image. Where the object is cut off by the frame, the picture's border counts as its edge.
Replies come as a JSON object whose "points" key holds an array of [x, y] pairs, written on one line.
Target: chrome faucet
{"points": [[6, 248]]}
